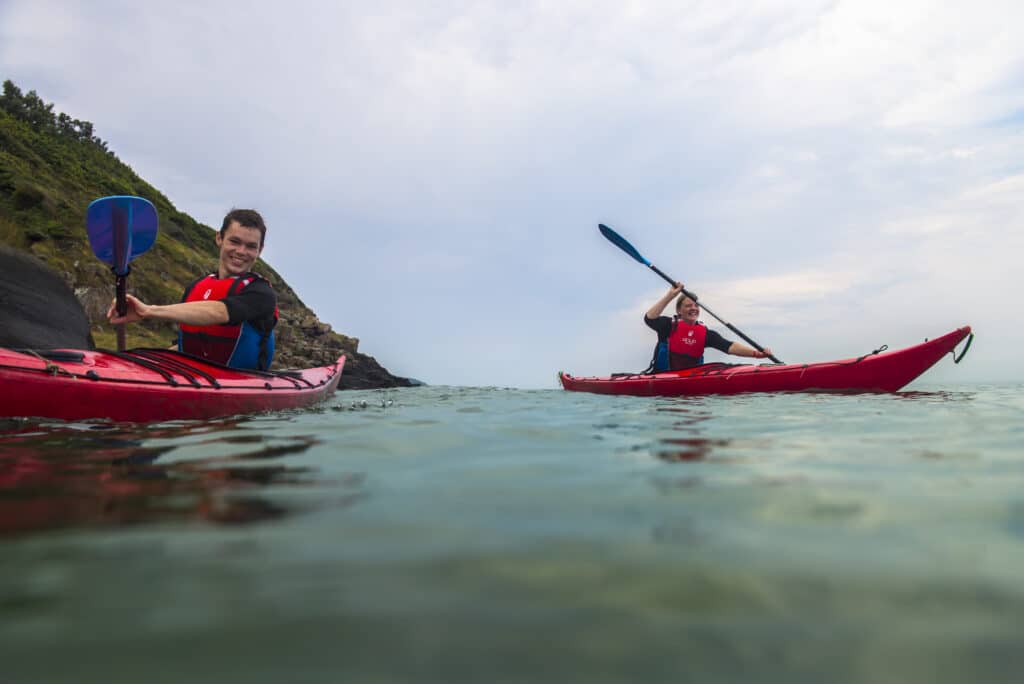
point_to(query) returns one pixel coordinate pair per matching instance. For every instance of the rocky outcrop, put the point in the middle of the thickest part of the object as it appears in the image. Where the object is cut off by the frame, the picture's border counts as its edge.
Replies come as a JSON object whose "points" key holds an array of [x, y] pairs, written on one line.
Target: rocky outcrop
{"points": [[37, 308], [53, 290]]}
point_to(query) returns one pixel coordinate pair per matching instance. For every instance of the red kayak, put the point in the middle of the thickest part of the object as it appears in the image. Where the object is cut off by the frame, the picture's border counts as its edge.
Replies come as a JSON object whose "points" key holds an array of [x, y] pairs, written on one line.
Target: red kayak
{"points": [[148, 385], [879, 371]]}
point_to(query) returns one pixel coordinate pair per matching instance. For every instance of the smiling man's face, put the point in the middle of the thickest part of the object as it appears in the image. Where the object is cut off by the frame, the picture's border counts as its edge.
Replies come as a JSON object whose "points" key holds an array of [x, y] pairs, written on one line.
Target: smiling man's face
{"points": [[239, 249]]}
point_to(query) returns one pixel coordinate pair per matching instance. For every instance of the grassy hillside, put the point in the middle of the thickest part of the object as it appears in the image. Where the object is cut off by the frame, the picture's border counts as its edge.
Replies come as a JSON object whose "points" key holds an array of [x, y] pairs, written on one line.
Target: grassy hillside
{"points": [[53, 166]]}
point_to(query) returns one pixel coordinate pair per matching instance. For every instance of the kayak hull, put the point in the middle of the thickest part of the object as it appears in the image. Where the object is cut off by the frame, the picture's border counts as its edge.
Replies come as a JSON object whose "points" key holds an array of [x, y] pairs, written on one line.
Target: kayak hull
{"points": [[149, 385], [887, 371]]}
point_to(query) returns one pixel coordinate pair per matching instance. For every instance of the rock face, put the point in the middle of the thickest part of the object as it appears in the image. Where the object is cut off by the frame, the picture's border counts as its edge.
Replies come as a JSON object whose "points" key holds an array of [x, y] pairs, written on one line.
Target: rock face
{"points": [[53, 290], [37, 308]]}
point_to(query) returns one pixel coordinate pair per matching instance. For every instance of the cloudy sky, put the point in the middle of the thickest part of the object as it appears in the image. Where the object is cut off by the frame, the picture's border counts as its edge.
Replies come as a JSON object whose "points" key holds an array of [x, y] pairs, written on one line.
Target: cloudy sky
{"points": [[827, 176]]}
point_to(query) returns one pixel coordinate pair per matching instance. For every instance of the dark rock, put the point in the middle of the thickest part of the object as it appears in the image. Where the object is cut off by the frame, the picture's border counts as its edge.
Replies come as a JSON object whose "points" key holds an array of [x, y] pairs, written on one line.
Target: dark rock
{"points": [[363, 372], [37, 308]]}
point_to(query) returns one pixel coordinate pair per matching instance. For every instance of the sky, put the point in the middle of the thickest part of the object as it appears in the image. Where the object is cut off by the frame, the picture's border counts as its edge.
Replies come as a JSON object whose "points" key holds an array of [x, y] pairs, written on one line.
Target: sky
{"points": [[827, 176]]}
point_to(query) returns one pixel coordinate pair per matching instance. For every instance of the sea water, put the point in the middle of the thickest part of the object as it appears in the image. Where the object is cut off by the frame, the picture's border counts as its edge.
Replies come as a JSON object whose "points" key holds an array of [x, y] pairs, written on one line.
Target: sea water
{"points": [[448, 534]]}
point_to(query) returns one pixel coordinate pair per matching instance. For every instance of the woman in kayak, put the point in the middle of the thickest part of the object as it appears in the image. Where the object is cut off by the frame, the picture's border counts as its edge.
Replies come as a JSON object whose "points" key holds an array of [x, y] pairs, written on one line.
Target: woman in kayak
{"points": [[682, 338]]}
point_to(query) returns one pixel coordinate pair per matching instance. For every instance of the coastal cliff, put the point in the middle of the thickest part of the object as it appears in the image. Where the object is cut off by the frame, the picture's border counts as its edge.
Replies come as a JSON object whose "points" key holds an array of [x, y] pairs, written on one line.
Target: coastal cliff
{"points": [[52, 166]]}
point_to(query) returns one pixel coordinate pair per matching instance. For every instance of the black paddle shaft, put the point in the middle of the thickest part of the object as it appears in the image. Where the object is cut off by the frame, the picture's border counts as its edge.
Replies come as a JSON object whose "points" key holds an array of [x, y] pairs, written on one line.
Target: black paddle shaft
{"points": [[727, 324], [121, 292]]}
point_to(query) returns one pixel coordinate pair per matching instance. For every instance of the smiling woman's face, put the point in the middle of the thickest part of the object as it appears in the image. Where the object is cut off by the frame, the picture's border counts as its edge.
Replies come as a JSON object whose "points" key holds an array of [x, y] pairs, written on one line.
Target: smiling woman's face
{"points": [[688, 310]]}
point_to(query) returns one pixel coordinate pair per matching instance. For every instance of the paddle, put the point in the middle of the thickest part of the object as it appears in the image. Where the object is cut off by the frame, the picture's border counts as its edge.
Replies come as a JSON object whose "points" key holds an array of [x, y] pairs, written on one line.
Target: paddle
{"points": [[629, 249], [120, 228]]}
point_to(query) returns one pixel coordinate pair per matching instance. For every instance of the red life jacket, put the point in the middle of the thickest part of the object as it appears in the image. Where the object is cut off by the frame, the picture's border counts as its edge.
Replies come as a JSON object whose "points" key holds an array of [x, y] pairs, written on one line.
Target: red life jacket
{"points": [[686, 345], [238, 346]]}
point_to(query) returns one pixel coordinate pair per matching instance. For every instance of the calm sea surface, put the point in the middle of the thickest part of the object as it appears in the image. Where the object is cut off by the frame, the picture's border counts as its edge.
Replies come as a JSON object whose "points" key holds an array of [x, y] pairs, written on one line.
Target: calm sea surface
{"points": [[491, 535]]}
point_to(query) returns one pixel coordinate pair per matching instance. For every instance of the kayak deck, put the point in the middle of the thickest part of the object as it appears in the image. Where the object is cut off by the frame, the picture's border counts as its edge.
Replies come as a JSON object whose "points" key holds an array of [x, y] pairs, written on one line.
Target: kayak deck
{"points": [[879, 371], [147, 385]]}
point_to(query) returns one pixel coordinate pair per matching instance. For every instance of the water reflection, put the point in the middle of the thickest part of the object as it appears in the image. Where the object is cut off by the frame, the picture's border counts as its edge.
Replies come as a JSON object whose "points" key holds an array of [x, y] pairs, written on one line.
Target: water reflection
{"points": [[692, 447], [88, 476], [939, 396], [681, 449]]}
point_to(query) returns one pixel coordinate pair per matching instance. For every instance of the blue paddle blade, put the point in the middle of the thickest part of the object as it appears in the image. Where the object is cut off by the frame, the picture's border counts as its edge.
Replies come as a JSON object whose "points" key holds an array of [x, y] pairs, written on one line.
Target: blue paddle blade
{"points": [[120, 228], [621, 243]]}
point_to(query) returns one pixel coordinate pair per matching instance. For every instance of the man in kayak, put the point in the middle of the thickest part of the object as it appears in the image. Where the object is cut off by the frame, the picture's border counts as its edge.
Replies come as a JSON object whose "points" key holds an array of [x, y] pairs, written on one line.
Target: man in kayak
{"points": [[229, 316], [682, 339]]}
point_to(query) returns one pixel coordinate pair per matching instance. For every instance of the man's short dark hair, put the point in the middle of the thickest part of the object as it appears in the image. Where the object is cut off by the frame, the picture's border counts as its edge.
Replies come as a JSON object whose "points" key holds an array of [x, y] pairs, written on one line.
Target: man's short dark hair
{"points": [[247, 218]]}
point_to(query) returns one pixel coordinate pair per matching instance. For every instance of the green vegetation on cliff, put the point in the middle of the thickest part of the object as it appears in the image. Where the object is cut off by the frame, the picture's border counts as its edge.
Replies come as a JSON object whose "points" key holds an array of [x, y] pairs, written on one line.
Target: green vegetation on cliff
{"points": [[52, 166]]}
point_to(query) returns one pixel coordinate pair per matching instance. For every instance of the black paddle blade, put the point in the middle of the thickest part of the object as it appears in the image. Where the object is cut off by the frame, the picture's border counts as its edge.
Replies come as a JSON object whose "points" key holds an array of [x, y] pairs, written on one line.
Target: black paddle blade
{"points": [[621, 243]]}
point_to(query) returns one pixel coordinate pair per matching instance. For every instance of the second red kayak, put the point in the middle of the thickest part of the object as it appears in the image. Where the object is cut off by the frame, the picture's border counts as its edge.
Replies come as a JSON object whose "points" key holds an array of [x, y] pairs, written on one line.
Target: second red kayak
{"points": [[882, 371], [148, 385]]}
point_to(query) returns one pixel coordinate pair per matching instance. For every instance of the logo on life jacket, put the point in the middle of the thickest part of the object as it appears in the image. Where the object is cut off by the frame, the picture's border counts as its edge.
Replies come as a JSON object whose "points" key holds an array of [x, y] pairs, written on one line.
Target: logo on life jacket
{"points": [[688, 339]]}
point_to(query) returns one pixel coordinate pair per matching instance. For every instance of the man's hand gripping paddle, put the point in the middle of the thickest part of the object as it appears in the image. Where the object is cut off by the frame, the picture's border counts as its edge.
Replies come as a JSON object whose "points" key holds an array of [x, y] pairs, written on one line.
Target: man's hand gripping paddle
{"points": [[120, 228]]}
